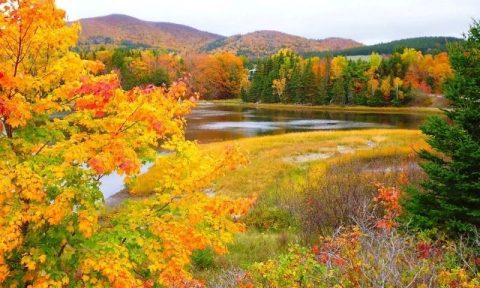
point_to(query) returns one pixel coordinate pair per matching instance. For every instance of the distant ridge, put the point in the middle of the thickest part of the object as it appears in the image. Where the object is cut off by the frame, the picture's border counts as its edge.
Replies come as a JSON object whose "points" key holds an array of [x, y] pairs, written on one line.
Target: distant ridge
{"points": [[424, 44], [263, 43], [119, 29]]}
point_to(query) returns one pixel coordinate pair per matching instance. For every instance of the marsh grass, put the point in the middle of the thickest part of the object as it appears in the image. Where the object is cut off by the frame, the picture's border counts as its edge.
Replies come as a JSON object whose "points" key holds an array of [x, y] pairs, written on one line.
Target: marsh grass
{"points": [[297, 202]]}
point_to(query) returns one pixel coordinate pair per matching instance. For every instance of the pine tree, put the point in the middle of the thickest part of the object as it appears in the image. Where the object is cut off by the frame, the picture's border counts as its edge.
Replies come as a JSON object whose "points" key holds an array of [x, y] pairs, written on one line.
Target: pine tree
{"points": [[338, 91], [255, 91], [309, 86], [450, 198], [325, 85], [294, 85], [244, 95]]}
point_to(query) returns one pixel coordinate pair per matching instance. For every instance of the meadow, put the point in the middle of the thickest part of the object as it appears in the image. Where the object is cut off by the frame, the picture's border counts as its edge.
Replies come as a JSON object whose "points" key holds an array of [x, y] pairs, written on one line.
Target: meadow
{"points": [[341, 168]]}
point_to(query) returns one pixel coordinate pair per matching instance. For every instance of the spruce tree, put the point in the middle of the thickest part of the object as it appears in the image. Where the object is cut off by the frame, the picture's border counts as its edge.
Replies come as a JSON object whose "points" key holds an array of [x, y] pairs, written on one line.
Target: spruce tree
{"points": [[309, 86], [294, 86], [450, 198], [338, 91]]}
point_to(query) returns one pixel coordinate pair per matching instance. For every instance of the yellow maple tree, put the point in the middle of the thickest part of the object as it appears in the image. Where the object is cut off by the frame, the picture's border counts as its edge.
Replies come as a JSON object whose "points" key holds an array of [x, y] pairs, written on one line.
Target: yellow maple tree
{"points": [[63, 126]]}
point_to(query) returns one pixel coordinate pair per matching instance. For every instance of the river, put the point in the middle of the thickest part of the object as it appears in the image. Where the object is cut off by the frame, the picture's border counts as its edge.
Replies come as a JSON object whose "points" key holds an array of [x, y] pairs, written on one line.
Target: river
{"points": [[212, 123]]}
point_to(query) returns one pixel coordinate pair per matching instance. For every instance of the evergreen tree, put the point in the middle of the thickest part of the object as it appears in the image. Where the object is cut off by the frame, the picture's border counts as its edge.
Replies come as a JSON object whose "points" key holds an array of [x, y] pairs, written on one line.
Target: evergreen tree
{"points": [[309, 86], [325, 85], [255, 91], [294, 85], [338, 91], [244, 95], [450, 199]]}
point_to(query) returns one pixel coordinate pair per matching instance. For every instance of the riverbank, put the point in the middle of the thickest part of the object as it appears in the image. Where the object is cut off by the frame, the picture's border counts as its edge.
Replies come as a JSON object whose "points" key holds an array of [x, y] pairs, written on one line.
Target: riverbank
{"points": [[336, 108], [273, 156], [282, 168]]}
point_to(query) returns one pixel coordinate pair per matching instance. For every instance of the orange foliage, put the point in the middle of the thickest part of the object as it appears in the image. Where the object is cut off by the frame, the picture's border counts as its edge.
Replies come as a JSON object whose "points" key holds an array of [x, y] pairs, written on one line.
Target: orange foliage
{"points": [[217, 76], [422, 68], [389, 199], [63, 128]]}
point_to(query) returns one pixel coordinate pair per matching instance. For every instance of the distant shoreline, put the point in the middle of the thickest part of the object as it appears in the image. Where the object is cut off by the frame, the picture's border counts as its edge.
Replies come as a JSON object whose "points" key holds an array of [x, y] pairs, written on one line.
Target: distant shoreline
{"points": [[346, 108]]}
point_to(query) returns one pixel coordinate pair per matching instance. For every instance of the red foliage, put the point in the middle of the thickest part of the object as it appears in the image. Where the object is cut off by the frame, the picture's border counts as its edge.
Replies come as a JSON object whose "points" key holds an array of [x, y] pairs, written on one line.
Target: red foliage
{"points": [[424, 250], [96, 165], [103, 88], [158, 127], [102, 91], [336, 251], [3, 110], [127, 166], [100, 114], [389, 199]]}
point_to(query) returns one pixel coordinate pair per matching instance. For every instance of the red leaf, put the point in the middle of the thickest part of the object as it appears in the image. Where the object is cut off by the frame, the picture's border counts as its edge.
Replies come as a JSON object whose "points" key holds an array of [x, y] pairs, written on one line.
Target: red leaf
{"points": [[100, 114]]}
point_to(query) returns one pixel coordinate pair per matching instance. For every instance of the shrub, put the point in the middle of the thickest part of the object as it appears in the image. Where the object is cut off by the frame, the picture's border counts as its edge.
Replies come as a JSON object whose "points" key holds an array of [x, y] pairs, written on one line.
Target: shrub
{"points": [[204, 258], [372, 255], [269, 218], [347, 189]]}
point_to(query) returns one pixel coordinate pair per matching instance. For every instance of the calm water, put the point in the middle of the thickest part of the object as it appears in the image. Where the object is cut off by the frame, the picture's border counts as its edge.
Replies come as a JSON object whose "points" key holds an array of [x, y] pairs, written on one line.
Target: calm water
{"points": [[211, 123]]}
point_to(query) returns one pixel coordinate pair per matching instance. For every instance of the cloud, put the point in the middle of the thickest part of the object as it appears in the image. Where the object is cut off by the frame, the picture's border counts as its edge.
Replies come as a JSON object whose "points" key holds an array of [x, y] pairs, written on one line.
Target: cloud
{"points": [[369, 21]]}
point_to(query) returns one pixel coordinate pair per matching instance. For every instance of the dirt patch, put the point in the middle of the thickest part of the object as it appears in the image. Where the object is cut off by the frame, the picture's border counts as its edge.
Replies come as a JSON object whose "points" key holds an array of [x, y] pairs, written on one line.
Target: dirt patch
{"points": [[210, 192], [310, 157], [345, 149], [327, 153]]}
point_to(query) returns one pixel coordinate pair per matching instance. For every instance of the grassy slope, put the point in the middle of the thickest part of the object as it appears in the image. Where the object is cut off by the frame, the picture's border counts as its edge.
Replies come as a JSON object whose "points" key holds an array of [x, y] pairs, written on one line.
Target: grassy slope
{"points": [[359, 109], [267, 166], [266, 155], [274, 179]]}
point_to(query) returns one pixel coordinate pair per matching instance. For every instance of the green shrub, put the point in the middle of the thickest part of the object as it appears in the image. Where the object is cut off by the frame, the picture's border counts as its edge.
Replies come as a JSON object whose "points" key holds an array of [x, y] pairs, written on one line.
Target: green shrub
{"points": [[203, 259], [270, 218]]}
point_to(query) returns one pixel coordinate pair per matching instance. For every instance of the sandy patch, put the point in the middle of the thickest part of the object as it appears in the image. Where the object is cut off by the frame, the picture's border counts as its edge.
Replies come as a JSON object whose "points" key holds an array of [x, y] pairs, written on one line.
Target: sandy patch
{"points": [[310, 157], [345, 149], [328, 152]]}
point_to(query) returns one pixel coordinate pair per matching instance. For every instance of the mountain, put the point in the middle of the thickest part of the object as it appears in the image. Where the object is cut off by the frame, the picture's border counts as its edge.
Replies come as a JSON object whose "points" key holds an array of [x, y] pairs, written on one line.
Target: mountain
{"points": [[130, 31], [424, 44], [263, 43], [122, 29]]}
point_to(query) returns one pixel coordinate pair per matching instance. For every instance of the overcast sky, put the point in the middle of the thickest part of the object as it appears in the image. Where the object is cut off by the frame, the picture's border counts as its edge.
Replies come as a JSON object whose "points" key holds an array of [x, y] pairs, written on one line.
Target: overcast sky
{"points": [[367, 21]]}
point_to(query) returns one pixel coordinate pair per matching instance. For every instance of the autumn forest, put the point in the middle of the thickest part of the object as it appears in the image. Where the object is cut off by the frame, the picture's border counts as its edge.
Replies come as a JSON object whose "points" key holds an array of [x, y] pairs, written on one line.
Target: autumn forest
{"points": [[151, 154]]}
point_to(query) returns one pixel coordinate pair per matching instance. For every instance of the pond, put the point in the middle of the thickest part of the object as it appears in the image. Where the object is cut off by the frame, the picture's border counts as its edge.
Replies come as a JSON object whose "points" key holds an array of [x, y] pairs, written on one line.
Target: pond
{"points": [[213, 123]]}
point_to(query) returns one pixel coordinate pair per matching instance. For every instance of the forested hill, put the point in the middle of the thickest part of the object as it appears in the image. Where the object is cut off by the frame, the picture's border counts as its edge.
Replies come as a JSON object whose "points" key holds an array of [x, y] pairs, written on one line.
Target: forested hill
{"points": [[264, 43], [122, 30], [129, 31], [424, 44]]}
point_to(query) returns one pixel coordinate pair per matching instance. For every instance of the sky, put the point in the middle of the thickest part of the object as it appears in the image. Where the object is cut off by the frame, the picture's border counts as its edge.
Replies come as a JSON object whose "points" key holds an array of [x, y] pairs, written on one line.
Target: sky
{"points": [[366, 21]]}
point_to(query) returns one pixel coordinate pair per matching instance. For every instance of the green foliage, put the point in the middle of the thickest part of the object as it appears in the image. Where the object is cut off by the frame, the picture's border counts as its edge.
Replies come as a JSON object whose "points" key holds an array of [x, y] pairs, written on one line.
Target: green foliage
{"points": [[270, 218], [288, 78], [203, 258], [450, 199], [297, 268], [424, 44], [121, 61]]}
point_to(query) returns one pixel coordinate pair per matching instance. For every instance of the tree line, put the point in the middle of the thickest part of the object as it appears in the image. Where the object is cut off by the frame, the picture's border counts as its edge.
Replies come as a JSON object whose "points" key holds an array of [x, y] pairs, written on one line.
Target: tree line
{"points": [[287, 77], [213, 76], [424, 44]]}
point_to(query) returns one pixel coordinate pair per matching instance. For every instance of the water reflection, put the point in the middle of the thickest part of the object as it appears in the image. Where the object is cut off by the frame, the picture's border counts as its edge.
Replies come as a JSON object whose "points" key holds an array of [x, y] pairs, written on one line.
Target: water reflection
{"points": [[211, 123]]}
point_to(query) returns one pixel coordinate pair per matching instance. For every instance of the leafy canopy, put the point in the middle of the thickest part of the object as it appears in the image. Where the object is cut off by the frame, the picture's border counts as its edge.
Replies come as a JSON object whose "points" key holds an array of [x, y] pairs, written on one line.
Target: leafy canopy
{"points": [[63, 126]]}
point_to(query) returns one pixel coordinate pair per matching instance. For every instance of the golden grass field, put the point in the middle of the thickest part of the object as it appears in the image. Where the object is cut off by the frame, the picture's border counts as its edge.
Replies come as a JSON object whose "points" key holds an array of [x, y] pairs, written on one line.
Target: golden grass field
{"points": [[278, 170], [269, 156]]}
